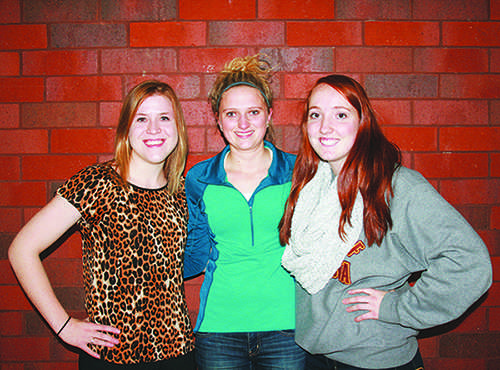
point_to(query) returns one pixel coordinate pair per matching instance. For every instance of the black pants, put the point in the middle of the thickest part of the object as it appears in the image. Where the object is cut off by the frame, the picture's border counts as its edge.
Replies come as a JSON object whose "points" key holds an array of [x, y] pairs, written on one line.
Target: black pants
{"points": [[186, 362]]}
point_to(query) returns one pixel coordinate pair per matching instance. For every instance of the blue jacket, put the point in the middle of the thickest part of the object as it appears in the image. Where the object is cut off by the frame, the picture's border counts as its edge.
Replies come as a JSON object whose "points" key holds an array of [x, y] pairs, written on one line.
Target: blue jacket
{"points": [[201, 252]]}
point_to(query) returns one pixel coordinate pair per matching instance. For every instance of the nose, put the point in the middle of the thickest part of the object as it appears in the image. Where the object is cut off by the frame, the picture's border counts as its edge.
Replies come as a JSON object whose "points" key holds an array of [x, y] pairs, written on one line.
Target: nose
{"points": [[153, 127], [243, 122], [326, 126]]}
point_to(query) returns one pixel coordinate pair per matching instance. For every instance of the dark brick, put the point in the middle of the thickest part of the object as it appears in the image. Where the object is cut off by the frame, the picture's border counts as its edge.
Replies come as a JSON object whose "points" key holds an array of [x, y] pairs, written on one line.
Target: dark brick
{"points": [[138, 10], [59, 115], [372, 9], [72, 35], [59, 11], [139, 60], [485, 345], [301, 59], [401, 86], [71, 298]]}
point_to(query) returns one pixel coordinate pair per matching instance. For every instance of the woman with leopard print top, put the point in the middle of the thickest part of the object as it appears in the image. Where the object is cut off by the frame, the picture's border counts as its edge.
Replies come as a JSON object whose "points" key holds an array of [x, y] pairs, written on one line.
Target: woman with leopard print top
{"points": [[132, 215]]}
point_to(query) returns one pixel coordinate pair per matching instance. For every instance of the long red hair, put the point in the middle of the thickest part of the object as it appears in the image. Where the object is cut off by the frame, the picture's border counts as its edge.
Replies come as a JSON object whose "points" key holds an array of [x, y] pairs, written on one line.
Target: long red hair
{"points": [[369, 167]]}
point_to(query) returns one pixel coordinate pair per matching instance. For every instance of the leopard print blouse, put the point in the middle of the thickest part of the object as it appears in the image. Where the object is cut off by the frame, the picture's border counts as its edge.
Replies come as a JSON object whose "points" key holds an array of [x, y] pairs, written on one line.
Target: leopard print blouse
{"points": [[133, 250]]}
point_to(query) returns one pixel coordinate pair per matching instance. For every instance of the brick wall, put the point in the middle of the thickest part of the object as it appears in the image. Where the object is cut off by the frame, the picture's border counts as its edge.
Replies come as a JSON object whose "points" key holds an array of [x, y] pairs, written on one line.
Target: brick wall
{"points": [[431, 67]]}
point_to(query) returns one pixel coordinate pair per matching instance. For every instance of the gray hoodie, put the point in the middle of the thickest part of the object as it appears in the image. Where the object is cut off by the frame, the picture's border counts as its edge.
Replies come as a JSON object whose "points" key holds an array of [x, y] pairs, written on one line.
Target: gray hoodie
{"points": [[428, 236]]}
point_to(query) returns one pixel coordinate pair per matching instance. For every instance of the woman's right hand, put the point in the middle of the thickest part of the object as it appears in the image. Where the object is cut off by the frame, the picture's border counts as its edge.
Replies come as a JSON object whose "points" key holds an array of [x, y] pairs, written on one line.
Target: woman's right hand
{"points": [[82, 334]]}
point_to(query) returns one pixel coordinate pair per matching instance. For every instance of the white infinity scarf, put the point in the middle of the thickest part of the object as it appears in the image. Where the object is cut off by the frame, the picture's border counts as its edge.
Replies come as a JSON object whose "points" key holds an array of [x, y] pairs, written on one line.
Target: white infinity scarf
{"points": [[315, 250]]}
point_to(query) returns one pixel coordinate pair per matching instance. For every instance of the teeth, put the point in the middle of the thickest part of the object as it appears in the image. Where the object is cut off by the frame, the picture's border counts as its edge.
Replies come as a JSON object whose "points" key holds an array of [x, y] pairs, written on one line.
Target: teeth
{"points": [[154, 142]]}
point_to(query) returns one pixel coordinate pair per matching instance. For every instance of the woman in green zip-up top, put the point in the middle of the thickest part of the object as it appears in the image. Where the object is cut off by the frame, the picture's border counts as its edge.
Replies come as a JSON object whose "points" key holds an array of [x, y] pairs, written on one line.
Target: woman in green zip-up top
{"points": [[236, 200]]}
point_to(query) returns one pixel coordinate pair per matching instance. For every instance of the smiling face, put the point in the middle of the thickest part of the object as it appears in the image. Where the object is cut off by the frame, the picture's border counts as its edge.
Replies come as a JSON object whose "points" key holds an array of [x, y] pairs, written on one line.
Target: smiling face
{"points": [[243, 118], [332, 125], [153, 132]]}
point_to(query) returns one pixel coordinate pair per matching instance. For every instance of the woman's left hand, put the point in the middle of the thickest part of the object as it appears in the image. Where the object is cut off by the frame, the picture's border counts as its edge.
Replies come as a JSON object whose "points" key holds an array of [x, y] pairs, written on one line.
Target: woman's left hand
{"points": [[367, 300]]}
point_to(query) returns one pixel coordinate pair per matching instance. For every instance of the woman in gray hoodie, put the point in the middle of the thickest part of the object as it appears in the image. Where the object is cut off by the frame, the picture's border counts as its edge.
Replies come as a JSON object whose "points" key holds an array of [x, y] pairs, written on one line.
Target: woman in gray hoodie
{"points": [[357, 226]]}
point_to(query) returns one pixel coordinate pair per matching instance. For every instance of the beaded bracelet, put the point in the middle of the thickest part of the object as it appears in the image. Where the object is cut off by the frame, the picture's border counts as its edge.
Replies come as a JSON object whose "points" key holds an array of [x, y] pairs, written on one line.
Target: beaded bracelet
{"points": [[64, 325]]}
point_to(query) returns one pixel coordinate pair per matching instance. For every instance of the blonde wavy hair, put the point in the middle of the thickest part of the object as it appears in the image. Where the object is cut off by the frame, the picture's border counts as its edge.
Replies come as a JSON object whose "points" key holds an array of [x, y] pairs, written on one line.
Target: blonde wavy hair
{"points": [[254, 71]]}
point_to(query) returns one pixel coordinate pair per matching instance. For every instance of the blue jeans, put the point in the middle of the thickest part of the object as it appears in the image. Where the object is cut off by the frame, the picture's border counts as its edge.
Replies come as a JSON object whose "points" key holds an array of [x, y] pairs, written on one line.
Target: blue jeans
{"points": [[245, 351], [320, 362]]}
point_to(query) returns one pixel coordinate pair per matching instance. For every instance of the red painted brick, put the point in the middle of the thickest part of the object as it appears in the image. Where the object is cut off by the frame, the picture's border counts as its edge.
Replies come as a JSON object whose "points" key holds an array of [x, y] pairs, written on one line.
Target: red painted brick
{"points": [[290, 138], [413, 139], [70, 248], [450, 112], [477, 216], [191, 161], [38, 115], [393, 112], [444, 165], [470, 345], [495, 218], [139, 60], [186, 86], [167, 34], [57, 365], [302, 60], [401, 86], [454, 364], [373, 59], [90, 88], [495, 112], [492, 240], [428, 346], [495, 10], [22, 194], [138, 10], [24, 349], [288, 112], [470, 86], [64, 272], [215, 143], [53, 11], [495, 262], [494, 317], [372, 9], [9, 115], [296, 86], [324, 33], [469, 138], [292, 9], [12, 323], [401, 33], [246, 33], [471, 34], [10, 64], [109, 114], [473, 322], [7, 276], [54, 167], [196, 139], [495, 60], [451, 60], [82, 35], [217, 9], [59, 62], [10, 168], [72, 298], [23, 141], [471, 191], [197, 113], [208, 60], [10, 222], [11, 11], [82, 140], [452, 10], [26, 36], [13, 298], [25, 90]]}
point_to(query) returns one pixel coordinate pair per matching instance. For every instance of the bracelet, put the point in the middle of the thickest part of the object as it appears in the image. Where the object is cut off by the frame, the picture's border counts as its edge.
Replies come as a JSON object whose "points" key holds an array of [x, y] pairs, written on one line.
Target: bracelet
{"points": [[64, 325]]}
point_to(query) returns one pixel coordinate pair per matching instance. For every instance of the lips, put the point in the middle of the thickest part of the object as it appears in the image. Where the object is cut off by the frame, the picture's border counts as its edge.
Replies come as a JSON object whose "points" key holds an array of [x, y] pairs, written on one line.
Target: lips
{"points": [[151, 143], [244, 134]]}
